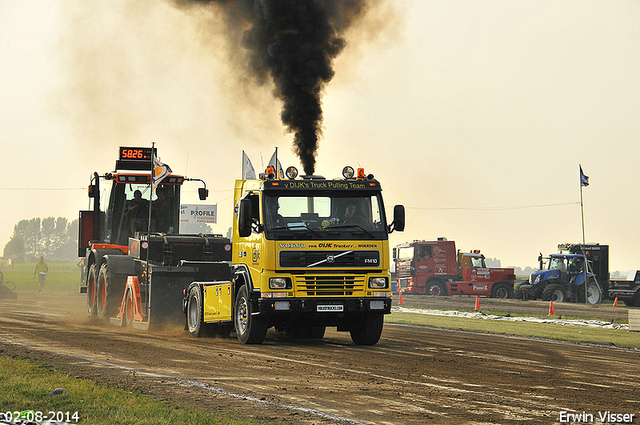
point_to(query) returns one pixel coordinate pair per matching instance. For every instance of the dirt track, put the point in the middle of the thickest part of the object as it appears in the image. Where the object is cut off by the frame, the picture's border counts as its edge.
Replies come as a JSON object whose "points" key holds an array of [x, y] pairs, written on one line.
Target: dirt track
{"points": [[415, 375]]}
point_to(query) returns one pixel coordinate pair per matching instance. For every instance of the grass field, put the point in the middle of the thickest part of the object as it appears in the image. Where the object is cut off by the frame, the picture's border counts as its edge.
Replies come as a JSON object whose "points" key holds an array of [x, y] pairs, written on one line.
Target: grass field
{"points": [[60, 278], [617, 337], [25, 386]]}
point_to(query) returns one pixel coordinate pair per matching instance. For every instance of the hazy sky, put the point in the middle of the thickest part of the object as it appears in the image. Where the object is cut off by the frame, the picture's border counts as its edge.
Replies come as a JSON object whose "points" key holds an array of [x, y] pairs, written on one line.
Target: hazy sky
{"points": [[473, 114]]}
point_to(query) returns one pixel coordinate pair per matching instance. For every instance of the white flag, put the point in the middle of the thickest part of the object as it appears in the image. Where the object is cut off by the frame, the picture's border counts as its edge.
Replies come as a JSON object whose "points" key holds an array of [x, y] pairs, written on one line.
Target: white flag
{"points": [[248, 173], [275, 163], [160, 171]]}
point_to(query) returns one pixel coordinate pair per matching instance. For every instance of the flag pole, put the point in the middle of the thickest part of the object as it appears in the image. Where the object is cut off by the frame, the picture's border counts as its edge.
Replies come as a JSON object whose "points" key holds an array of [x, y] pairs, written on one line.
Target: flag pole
{"points": [[586, 262], [153, 152], [582, 213]]}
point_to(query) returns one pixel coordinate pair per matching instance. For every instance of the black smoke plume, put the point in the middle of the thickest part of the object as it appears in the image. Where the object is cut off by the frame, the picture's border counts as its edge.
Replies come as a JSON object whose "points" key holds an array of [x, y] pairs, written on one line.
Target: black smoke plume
{"points": [[294, 43]]}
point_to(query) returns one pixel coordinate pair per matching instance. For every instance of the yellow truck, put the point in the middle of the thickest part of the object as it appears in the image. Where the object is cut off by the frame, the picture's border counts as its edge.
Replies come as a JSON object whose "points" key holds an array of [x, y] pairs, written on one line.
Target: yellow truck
{"points": [[307, 253]]}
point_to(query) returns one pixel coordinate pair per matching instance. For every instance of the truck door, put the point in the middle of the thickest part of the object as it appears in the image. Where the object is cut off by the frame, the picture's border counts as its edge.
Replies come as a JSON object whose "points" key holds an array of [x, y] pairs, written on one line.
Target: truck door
{"points": [[423, 263]]}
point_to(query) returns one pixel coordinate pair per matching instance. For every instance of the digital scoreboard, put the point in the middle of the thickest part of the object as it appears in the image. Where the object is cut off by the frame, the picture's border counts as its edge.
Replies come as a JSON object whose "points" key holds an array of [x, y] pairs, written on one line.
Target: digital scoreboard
{"points": [[135, 154]]}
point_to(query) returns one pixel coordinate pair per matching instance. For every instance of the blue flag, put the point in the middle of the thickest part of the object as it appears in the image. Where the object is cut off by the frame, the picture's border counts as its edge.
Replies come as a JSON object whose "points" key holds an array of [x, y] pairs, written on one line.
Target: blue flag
{"points": [[584, 180]]}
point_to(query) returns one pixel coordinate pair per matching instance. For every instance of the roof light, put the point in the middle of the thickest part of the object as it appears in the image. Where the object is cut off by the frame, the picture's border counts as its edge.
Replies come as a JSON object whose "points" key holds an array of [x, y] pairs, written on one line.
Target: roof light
{"points": [[271, 172], [348, 172], [360, 174], [291, 172]]}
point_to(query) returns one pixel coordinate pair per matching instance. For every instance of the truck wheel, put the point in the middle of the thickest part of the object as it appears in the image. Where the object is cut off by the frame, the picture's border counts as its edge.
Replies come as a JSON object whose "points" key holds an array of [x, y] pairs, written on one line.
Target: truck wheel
{"points": [[110, 292], [92, 280], [436, 287], [502, 291], [195, 313], [553, 293], [368, 331], [594, 293], [250, 329]]}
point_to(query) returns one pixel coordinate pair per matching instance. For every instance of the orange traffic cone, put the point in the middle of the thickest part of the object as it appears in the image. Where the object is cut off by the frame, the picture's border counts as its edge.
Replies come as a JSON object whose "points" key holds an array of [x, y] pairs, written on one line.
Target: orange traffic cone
{"points": [[615, 303], [552, 311], [400, 301], [477, 304]]}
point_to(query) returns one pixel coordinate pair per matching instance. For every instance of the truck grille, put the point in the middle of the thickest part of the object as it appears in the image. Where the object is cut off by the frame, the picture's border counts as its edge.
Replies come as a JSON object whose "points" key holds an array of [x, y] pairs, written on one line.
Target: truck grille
{"points": [[332, 259], [319, 286]]}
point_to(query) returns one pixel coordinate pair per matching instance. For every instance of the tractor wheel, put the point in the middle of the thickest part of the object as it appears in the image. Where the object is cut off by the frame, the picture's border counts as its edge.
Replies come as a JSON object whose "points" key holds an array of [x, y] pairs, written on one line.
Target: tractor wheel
{"points": [[92, 281], [519, 294], [554, 293], [594, 293], [368, 330], [110, 291], [436, 287], [250, 329], [502, 291]]}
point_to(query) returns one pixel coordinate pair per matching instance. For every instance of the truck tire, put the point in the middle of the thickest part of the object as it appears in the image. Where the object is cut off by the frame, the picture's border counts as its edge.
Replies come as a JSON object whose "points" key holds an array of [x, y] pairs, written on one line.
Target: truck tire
{"points": [[250, 329], [110, 292], [502, 291], [368, 330], [594, 292], [554, 292], [195, 313], [92, 280], [436, 287]]}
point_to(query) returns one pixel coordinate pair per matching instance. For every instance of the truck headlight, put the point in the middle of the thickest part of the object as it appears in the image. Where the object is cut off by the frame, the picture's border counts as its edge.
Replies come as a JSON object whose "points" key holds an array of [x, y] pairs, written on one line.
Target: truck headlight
{"points": [[279, 283], [378, 283]]}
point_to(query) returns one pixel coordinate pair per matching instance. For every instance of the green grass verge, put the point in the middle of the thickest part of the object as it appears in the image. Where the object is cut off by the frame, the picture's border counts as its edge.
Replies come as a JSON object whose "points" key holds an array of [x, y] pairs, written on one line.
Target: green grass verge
{"points": [[620, 338], [25, 385], [60, 278]]}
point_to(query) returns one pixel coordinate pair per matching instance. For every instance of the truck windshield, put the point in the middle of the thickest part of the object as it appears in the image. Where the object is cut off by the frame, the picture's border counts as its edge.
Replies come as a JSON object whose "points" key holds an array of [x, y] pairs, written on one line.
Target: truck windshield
{"points": [[326, 215], [405, 254], [478, 262]]}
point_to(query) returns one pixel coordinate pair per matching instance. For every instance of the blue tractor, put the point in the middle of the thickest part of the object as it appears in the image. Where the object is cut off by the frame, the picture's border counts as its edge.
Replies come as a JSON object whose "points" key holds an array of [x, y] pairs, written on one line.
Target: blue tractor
{"points": [[563, 280]]}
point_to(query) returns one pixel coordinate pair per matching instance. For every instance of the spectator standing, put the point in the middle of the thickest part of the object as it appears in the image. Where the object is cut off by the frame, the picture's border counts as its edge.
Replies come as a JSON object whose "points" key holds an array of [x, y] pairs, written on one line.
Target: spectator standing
{"points": [[41, 270]]}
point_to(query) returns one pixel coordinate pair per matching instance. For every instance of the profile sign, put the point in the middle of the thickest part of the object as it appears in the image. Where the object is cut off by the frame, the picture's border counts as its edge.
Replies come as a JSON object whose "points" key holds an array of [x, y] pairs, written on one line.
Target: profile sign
{"points": [[192, 214]]}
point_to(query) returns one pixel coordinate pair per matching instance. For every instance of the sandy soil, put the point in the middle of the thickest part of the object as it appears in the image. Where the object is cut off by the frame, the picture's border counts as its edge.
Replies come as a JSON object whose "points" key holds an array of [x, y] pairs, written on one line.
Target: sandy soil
{"points": [[414, 375]]}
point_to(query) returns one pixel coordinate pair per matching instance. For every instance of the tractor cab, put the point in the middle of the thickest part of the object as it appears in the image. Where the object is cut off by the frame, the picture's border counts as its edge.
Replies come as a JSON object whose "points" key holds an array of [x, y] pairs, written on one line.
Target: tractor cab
{"points": [[124, 204]]}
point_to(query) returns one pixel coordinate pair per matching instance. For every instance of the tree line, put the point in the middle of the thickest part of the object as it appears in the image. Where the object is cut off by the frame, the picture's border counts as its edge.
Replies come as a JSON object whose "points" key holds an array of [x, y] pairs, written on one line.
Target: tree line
{"points": [[54, 238]]}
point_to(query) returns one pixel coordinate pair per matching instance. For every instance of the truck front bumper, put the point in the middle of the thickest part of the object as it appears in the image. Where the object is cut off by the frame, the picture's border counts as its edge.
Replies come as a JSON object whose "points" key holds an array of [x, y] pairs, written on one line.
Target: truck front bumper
{"points": [[270, 306]]}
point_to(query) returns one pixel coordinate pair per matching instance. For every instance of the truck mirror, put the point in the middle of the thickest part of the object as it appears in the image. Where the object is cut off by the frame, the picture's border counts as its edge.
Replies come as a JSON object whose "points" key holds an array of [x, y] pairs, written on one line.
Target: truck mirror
{"points": [[398, 218], [93, 190], [203, 192], [244, 218]]}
